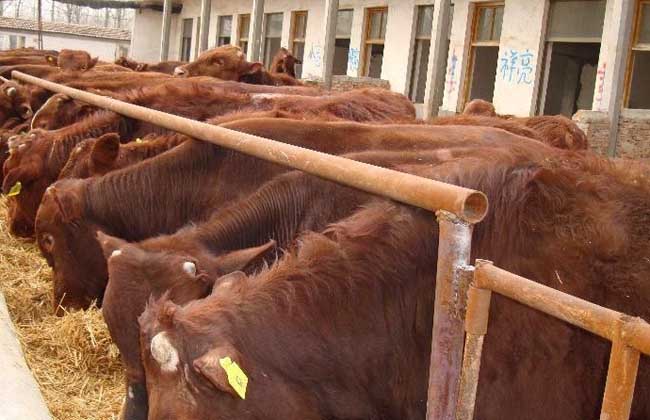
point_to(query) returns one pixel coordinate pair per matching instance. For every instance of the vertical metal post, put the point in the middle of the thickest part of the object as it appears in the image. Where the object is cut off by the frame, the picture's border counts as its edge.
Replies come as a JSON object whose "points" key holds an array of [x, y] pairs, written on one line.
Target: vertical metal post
{"points": [[621, 378], [205, 25], [329, 45], [166, 26], [624, 33], [437, 58], [476, 323], [39, 20], [255, 32], [455, 241]]}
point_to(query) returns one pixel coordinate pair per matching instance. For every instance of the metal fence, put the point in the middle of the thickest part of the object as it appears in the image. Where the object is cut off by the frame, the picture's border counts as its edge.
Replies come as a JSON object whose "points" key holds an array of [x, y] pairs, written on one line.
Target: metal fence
{"points": [[453, 373]]}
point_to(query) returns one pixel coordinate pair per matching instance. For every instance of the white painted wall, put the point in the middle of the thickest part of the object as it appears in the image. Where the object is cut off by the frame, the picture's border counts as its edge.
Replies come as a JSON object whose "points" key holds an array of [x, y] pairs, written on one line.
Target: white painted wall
{"points": [[145, 36], [106, 50]]}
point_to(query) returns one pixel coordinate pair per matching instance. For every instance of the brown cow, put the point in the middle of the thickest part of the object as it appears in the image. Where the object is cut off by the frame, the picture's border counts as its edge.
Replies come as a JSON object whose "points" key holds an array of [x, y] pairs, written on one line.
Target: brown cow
{"points": [[565, 221], [72, 60], [14, 102], [284, 62], [555, 130], [227, 62], [166, 67], [278, 211], [165, 184]]}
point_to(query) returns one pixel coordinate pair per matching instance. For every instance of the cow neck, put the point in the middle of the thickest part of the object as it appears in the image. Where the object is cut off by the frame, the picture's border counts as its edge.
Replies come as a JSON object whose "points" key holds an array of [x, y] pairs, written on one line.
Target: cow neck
{"points": [[156, 196], [69, 137]]}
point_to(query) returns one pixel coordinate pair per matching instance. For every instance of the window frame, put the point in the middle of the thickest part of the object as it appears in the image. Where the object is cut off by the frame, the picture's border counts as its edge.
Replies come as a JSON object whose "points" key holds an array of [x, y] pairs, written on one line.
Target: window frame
{"points": [[474, 44], [369, 42], [415, 57], [182, 56], [634, 47], [241, 37], [220, 20], [266, 55], [294, 39]]}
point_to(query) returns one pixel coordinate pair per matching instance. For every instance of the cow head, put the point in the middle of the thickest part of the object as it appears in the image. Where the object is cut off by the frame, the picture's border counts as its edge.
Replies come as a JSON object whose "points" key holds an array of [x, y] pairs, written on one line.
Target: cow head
{"points": [[92, 157], [58, 111], [479, 107], [285, 62], [73, 60], [195, 370], [177, 267], [126, 62], [226, 62], [26, 165], [67, 241], [14, 101]]}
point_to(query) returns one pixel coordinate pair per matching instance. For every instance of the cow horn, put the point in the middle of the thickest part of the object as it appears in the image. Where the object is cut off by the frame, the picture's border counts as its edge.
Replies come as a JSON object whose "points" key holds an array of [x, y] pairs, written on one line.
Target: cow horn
{"points": [[4, 80], [11, 92]]}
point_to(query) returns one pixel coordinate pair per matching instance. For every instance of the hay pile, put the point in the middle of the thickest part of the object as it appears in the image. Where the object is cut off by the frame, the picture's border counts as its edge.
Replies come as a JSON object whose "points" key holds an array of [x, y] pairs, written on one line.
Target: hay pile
{"points": [[72, 357]]}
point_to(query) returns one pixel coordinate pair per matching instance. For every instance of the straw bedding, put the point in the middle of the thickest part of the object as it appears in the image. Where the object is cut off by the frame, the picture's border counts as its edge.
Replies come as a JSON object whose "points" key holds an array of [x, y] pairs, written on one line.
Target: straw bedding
{"points": [[72, 357]]}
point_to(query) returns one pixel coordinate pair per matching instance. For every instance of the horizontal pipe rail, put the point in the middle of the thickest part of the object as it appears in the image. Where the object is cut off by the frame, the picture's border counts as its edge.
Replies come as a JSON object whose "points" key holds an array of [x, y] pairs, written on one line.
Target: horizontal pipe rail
{"points": [[596, 319], [428, 194]]}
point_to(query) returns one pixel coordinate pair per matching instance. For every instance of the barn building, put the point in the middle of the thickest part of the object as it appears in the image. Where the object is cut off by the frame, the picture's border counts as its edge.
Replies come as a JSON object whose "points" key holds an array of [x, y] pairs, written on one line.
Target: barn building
{"points": [[586, 59], [106, 43]]}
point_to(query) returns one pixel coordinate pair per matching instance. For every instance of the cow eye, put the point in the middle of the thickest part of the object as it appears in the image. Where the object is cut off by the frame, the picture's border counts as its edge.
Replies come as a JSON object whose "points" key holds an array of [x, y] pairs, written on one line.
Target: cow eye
{"points": [[47, 241], [190, 268]]}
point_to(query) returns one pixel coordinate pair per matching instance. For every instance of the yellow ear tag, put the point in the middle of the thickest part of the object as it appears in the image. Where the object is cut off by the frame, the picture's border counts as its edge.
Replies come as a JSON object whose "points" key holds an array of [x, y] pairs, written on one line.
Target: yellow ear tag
{"points": [[139, 140], [15, 190], [236, 377]]}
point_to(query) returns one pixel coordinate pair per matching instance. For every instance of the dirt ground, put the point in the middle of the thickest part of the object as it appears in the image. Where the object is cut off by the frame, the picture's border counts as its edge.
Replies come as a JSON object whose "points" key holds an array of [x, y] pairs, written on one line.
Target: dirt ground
{"points": [[72, 357]]}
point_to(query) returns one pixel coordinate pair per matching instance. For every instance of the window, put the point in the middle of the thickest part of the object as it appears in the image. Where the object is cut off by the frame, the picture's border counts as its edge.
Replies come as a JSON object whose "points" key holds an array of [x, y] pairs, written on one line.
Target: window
{"points": [[298, 31], [373, 53], [342, 44], [571, 57], [186, 40], [243, 31], [484, 52], [272, 36], [638, 87], [16, 41], [421, 49], [224, 30]]}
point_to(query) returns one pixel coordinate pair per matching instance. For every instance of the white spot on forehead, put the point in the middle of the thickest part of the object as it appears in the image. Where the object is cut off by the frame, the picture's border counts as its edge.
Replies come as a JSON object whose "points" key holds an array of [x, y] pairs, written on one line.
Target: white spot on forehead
{"points": [[116, 253], [164, 352], [189, 267]]}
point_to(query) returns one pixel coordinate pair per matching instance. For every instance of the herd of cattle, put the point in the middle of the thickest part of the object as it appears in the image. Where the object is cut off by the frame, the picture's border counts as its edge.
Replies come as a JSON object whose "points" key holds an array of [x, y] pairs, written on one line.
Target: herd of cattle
{"points": [[236, 288]]}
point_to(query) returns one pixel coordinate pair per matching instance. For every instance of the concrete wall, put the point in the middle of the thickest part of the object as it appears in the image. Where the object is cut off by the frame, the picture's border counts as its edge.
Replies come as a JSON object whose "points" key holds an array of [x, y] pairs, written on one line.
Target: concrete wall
{"points": [[106, 50], [145, 36]]}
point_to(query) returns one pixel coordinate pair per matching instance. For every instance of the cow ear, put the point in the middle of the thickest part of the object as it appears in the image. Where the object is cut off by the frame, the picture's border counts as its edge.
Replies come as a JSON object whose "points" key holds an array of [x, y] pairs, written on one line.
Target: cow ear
{"points": [[222, 366], [110, 244], [224, 282], [105, 151], [24, 174], [92, 63], [255, 67], [67, 203], [51, 60], [240, 259]]}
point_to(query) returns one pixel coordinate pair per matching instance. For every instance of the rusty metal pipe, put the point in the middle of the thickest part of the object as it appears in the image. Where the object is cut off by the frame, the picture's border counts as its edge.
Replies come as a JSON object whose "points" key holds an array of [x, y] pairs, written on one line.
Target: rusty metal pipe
{"points": [[454, 247], [476, 323], [621, 378], [575, 311], [428, 194]]}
